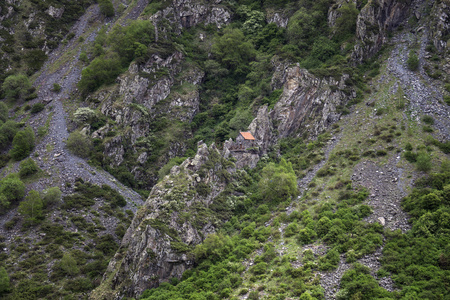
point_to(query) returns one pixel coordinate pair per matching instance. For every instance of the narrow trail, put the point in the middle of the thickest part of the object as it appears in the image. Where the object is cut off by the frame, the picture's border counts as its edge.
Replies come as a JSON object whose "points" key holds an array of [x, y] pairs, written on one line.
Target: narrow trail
{"points": [[51, 153]]}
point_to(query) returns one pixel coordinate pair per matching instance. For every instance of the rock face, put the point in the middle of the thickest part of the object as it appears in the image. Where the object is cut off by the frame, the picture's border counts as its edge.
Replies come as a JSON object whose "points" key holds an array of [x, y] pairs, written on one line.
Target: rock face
{"points": [[440, 27], [308, 104], [177, 216], [188, 13], [376, 19]]}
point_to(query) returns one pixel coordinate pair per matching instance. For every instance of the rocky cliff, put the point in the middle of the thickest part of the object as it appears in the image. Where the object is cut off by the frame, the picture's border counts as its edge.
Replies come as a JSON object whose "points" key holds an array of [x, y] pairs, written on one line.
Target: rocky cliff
{"points": [[376, 19], [182, 209], [440, 26]]}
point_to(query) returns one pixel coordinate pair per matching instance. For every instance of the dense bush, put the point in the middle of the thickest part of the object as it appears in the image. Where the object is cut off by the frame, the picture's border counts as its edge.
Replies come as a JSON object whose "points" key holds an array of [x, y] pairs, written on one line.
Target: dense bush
{"points": [[38, 107], [79, 144], [28, 167], [278, 182], [3, 112], [106, 8], [413, 61], [32, 207], [12, 189], [4, 281], [51, 196], [22, 144], [16, 86]]}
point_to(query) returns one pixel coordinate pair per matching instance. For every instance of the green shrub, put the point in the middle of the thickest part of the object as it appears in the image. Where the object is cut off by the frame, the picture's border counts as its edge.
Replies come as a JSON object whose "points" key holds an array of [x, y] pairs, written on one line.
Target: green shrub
{"points": [[3, 112], [51, 196], [278, 181], [423, 162], [106, 8], [32, 207], [79, 144], [428, 120], [413, 61], [22, 144], [27, 168], [12, 188], [56, 88], [4, 281], [16, 86]]}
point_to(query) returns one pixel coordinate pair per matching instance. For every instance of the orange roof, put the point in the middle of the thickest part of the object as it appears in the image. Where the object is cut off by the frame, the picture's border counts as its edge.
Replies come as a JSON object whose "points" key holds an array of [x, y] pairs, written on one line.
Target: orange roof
{"points": [[247, 136]]}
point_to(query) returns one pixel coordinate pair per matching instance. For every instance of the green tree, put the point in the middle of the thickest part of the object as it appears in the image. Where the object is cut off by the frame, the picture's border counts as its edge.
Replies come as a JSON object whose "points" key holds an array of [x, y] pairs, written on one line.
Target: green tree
{"points": [[28, 167], [32, 207], [423, 161], [346, 22], [51, 196], [12, 188], [278, 182], [79, 144], [100, 71], [3, 112], [4, 281], [233, 51], [106, 8], [69, 265], [23, 144], [16, 86], [413, 61]]}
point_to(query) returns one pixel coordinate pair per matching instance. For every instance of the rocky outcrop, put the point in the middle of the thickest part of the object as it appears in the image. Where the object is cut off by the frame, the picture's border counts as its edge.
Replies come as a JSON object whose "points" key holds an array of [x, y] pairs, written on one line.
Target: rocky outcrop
{"points": [[188, 13], [308, 104], [177, 216], [374, 21], [440, 27]]}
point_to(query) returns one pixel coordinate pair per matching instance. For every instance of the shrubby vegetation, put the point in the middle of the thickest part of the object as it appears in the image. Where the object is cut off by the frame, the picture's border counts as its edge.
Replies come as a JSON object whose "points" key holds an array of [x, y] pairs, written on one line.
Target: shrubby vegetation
{"points": [[22, 144]]}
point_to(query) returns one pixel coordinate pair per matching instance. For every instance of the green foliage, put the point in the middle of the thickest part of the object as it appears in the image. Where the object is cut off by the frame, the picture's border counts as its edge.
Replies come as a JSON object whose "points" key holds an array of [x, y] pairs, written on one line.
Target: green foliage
{"points": [[28, 167], [346, 22], [423, 161], [22, 144], [84, 115], [56, 88], [106, 8], [12, 188], [101, 70], [16, 86], [357, 283], [233, 51], [7, 132], [278, 182], [69, 265], [38, 107], [4, 281], [3, 112], [413, 61], [79, 144], [32, 207], [51, 196]]}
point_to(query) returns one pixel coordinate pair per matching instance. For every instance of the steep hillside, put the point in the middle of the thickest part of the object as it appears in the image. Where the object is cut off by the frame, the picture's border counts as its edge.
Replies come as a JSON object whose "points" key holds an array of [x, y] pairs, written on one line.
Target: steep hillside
{"points": [[342, 194]]}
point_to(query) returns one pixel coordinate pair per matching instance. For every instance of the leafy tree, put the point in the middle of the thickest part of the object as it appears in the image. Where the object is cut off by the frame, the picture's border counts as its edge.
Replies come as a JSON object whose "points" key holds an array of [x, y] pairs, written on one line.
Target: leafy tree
{"points": [[346, 22], [101, 71], [3, 112], [233, 51], [413, 61], [12, 188], [423, 161], [278, 182], [79, 144], [51, 196], [23, 144], [69, 265], [32, 206], [28, 167], [16, 86], [4, 281], [106, 8]]}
